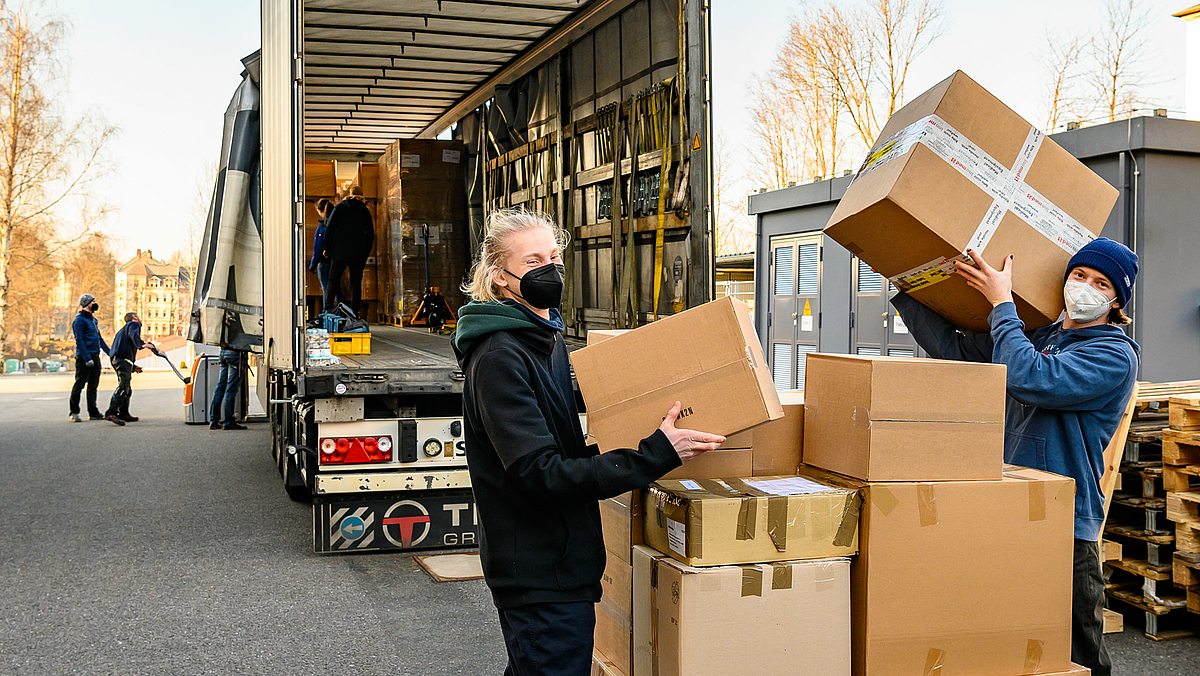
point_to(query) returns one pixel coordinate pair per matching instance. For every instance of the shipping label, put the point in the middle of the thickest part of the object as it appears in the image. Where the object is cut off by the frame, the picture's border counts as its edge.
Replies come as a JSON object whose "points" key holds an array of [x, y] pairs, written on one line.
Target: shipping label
{"points": [[677, 536]]}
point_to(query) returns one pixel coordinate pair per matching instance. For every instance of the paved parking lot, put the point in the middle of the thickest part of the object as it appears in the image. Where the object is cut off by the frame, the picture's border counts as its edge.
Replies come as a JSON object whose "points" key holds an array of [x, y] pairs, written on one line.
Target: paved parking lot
{"points": [[161, 548]]}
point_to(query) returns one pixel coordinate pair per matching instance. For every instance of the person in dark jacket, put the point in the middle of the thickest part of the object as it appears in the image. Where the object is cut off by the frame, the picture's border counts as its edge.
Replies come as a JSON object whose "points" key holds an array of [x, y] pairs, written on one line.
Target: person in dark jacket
{"points": [[1068, 386], [320, 263], [349, 236], [124, 350], [88, 345], [537, 483]]}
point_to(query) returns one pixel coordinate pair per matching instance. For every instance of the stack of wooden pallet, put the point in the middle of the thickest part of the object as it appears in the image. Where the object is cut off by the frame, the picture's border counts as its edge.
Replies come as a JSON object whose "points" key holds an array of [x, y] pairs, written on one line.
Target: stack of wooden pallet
{"points": [[1141, 539], [1181, 479]]}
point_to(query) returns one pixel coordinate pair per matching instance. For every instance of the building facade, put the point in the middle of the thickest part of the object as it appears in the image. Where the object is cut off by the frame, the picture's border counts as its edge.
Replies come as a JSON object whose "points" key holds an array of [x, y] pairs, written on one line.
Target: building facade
{"points": [[160, 293]]}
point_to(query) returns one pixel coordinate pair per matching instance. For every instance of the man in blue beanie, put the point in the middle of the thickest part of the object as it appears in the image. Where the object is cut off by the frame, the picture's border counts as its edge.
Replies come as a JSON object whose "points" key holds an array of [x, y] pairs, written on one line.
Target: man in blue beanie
{"points": [[1068, 386]]}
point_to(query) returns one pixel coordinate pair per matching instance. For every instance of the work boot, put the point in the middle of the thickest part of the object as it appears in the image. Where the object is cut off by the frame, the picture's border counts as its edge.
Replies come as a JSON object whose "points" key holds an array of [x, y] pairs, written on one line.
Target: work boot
{"points": [[115, 419], [74, 417], [96, 416], [235, 426], [215, 426], [129, 418]]}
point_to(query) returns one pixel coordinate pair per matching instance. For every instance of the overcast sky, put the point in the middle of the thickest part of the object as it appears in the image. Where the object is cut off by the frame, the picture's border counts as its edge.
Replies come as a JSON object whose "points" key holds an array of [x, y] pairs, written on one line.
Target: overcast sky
{"points": [[164, 72]]}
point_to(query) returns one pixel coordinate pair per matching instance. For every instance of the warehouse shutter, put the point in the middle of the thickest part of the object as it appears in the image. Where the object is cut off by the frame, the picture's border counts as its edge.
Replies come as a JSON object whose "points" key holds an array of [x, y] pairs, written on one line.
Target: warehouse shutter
{"points": [[802, 362], [781, 365], [785, 271], [869, 281], [810, 270]]}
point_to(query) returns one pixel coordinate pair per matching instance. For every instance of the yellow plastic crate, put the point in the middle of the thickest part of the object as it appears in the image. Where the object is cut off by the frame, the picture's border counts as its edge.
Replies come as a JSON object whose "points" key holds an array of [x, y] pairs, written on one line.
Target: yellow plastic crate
{"points": [[350, 343]]}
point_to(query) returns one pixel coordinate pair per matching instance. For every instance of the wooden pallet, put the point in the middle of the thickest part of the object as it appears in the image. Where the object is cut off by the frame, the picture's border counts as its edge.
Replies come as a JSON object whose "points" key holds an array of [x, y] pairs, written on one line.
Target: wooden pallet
{"points": [[1187, 537], [1181, 478], [1150, 394], [1184, 507], [1110, 550], [1114, 622], [1185, 573], [1154, 612], [1142, 569], [1184, 412], [1180, 448], [1158, 537]]}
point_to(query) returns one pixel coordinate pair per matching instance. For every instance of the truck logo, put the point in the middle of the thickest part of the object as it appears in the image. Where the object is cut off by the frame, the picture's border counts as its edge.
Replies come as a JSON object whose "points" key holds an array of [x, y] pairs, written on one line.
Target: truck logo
{"points": [[406, 524]]}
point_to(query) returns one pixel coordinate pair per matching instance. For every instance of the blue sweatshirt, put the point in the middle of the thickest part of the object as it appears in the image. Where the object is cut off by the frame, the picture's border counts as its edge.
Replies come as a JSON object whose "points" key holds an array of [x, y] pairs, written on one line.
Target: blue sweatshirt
{"points": [[127, 341], [318, 246], [88, 341], [1067, 391]]}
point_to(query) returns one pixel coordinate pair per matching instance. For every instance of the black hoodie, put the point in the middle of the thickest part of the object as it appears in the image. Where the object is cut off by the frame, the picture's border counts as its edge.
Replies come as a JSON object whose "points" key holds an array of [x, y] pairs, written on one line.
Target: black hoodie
{"points": [[537, 483]]}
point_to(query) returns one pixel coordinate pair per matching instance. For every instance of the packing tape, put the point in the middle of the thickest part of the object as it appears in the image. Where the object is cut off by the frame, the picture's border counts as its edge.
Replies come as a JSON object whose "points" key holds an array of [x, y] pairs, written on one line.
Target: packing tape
{"points": [[1033, 655], [849, 524], [883, 498], [927, 505], [777, 521], [752, 581], [781, 576], [694, 527], [618, 614], [825, 577], [862, 417], [1007, 187], [747, 519], [1037, 501], [935, 659]]}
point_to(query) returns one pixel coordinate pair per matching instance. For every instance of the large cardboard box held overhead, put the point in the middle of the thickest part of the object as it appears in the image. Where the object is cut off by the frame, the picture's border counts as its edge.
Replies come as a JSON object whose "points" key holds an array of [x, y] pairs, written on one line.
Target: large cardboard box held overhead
{"points": [[709, 358], [776, 619], [715, 522], [956, 168], [963, 577], [904, 418]]}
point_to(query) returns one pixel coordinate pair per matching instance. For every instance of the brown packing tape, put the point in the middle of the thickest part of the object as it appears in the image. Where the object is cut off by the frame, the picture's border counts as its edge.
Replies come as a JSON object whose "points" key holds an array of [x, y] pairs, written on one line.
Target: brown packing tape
{"points": [[862, 417], [927, 505], [716, 488], [618, 615], [752, 581], [935, 659], [1037, 501], [781, 576], [747, 519], [654, 615], [777, 521], [849, 525], [883, 498], [1033, 655], [694, 525]]}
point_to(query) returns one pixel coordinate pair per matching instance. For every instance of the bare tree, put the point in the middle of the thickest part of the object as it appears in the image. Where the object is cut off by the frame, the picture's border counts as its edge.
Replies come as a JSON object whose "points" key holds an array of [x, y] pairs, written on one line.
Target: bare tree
{"points": [[1061, 60], [1118, 49], [89, 266], [46, 162], [777, 159], [734, 234]]}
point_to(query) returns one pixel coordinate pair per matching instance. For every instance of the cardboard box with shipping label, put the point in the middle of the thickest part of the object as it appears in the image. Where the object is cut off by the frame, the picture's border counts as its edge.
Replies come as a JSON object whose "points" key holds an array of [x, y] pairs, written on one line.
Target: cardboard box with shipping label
{"points": [[708, 358], [955, 169], [972, 577], [778, 619], [714, 522], [903, 418]]}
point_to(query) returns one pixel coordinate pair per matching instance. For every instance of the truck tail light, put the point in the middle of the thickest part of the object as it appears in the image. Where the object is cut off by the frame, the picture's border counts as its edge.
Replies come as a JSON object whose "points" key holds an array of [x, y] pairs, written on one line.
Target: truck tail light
{"points": [[356, 450]]}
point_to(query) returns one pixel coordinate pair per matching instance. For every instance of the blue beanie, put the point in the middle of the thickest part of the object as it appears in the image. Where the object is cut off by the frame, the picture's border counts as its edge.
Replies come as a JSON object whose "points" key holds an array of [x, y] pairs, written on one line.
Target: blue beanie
{"points": [[1114, 260]]}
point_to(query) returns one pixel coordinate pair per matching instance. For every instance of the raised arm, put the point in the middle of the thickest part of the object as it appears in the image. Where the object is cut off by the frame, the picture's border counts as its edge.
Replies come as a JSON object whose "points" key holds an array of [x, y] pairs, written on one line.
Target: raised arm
{"points": [[938, 337]]}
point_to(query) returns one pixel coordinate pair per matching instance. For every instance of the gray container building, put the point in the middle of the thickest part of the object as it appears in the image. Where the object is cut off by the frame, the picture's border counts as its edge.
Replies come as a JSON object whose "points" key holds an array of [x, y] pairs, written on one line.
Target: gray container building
{"points": [[813, 295]]}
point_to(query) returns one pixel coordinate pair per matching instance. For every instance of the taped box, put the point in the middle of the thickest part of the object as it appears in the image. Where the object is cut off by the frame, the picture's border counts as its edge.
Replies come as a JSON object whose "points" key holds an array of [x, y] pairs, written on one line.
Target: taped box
{"points": [[957, 169], [963, 577], [777, 619], [715, 522], [602, 666], [614, 615], [778, 445], [709, 358], [904, 419]]}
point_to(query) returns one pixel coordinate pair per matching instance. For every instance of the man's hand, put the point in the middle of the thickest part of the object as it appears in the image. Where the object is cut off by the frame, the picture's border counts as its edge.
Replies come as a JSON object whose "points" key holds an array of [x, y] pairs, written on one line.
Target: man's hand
{"points": [[90, 363], [995, 285], [687, 443], [137, 369]]}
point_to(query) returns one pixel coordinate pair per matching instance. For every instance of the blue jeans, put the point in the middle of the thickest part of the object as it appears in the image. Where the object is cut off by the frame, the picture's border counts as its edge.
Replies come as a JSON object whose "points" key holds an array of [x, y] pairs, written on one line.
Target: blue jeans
{"points": [[323, 277], [228, 387], [549, 639]]}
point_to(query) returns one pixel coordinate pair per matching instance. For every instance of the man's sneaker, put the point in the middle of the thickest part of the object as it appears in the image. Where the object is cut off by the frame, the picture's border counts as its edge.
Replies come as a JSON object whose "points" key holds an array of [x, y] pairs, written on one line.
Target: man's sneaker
{"points": [[214, 426], [95, 416], [75, 418], [235, 426], [129, 418], [115, 419]]}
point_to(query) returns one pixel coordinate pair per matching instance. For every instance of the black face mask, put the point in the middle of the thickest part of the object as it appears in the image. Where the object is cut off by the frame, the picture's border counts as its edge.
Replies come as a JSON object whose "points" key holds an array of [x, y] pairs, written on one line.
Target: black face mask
{"points": [[94, 306], [542, 287]]}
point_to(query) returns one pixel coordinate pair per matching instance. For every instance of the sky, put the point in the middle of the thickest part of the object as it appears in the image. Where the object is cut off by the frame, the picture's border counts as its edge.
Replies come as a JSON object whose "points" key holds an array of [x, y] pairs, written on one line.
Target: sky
{"points": [[164, 72]]}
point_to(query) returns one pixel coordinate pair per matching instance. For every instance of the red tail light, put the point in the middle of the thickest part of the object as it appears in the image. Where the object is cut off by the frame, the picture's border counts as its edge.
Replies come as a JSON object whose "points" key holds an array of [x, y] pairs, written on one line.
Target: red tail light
{"points": [[355, 450]]}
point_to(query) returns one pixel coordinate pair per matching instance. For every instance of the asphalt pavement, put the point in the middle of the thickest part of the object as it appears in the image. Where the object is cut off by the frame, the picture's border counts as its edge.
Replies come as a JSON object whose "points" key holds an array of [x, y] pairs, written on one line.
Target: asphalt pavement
{"points": [[163, 548]]}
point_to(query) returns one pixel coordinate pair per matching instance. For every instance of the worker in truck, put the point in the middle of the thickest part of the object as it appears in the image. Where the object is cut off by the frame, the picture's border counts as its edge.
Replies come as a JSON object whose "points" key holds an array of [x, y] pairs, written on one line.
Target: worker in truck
{"points": [[537, 483], [1068, 386], [349, 236], [124, 350], [320, 263]]}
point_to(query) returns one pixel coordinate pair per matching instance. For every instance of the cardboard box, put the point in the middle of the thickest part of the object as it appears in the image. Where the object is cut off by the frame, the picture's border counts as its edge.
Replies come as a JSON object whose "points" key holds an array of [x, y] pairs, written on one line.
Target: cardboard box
{"points": [[971, 576], [601, 666], [709, 358], [975, 174], [598, 335], [768, 620], [716, 522], [777, 445], [320, 179], [904, 419], [621, 523], [614, 624], [723, 462], [367, 178]]}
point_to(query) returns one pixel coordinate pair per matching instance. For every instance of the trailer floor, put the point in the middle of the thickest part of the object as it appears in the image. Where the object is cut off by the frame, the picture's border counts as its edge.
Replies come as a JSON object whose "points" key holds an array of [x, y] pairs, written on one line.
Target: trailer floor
{"points": [[161, 548]]}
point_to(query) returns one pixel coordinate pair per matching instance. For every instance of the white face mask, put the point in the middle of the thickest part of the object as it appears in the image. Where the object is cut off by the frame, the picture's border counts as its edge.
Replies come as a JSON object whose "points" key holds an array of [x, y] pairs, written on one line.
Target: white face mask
{"points": [[1084, 303]]}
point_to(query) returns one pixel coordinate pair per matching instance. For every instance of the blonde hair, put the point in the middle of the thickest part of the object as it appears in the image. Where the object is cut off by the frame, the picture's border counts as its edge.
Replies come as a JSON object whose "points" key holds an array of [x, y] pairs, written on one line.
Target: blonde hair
{"points": [[495, 248]]}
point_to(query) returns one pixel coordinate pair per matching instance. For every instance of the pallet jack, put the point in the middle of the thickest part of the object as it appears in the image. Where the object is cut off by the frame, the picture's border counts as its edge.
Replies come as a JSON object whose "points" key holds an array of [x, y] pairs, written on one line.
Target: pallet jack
{"points": [[156, 352], [433, 312]]}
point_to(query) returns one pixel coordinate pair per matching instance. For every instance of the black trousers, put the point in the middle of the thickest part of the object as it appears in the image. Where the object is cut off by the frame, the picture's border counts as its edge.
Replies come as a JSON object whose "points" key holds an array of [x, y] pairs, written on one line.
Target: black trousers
{"points": [[1087, 616], [86, 376], [119, 405], [336, 269], [549, 639]]}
